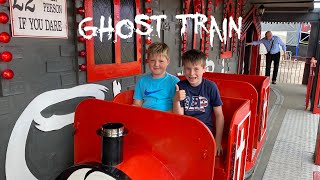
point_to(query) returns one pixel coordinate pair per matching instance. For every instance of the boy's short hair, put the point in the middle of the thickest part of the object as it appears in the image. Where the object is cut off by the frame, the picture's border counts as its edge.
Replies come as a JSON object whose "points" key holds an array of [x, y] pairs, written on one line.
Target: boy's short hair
{"points": [[158, 48], [194, 56]]}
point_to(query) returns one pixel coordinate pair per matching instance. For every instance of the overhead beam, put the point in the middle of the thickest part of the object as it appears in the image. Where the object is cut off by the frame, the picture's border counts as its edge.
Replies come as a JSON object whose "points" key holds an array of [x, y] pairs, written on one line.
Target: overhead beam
{"points": [[287, 9], [291, 17], [288, 5], [282, 2]]}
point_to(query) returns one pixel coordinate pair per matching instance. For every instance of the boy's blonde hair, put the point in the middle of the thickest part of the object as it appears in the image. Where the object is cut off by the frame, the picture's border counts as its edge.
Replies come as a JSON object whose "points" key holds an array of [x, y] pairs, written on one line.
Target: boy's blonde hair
{"points": [[194, 56], [159, 48]]}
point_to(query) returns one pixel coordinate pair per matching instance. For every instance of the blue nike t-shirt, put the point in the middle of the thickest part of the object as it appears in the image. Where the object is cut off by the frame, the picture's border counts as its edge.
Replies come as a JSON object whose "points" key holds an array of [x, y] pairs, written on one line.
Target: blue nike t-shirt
{"points": [[156, 93], [200, 100]]}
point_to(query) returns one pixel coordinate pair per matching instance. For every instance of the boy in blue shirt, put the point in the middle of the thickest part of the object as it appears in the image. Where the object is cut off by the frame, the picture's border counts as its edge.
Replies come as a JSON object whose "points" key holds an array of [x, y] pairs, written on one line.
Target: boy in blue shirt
{"points": [[155, 90], [199, 97]]}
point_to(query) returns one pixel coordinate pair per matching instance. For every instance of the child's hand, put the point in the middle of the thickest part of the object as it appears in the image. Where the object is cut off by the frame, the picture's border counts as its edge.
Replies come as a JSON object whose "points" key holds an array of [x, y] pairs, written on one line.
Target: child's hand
{"points": [[180, 94], [219, 150]]}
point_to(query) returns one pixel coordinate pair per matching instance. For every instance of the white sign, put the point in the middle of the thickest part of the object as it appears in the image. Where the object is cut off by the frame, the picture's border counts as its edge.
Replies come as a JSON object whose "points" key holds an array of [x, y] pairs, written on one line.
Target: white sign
{"points": [[41, 19]]}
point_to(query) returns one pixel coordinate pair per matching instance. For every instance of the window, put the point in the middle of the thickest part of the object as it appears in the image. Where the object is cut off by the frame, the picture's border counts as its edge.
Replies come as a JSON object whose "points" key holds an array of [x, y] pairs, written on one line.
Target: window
{"points": [[116, 57], [226, 48], [190, 39]]}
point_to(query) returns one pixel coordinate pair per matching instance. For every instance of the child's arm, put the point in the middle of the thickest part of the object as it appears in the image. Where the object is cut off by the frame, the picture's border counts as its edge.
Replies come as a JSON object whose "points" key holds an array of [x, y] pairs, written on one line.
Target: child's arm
{"points": [[219, 128], [137, 103], [179, 96]]}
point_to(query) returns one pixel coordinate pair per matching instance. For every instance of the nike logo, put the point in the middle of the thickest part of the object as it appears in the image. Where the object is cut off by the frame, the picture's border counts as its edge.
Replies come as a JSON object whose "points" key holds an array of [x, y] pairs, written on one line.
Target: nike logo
{"points": [[150, 92]]}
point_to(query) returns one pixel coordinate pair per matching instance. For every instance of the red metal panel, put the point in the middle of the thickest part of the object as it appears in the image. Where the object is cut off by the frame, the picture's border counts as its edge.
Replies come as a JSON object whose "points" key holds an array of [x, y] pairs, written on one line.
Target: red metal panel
{"points": [[262, 86], [310, 81], [249, 20], [138, 39], [238, 141], [231, 89], [117, 46], [107, 71], [316, 109], [235, 139], [317, 149], [159, 145]]}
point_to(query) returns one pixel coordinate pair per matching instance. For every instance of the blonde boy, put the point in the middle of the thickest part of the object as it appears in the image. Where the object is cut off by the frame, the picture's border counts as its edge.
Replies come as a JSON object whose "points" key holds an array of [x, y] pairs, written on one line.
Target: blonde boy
{"points": [[155, 90], [199, 97]]}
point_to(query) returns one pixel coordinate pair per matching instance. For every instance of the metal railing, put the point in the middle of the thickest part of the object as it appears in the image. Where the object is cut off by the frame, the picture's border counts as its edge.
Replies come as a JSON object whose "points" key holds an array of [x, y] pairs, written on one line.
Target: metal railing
{"points": [[290, 70]]}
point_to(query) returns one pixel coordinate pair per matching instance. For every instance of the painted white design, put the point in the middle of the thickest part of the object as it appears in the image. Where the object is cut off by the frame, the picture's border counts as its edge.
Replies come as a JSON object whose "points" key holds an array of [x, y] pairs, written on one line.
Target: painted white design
{"points": [[210, 65], [96, 175], [199, 25], [180, 73], [16, 166], [222, 70], [200, 19], [123, 23], [265, 104], [116, 87], [239, 152]]}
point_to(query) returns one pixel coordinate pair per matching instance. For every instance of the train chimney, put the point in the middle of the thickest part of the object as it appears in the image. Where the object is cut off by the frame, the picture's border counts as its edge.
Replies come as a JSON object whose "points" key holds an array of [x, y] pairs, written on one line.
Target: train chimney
{"points": [[112, 143]]}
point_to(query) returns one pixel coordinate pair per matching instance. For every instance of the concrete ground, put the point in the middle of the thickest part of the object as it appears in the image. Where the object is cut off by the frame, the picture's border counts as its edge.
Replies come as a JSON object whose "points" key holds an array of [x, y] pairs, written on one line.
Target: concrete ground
{"points": [[291, 136]]}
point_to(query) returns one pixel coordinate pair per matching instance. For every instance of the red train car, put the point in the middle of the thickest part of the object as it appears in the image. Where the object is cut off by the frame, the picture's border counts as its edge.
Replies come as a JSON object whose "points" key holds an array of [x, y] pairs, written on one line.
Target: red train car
{"points": [[165, 145]]}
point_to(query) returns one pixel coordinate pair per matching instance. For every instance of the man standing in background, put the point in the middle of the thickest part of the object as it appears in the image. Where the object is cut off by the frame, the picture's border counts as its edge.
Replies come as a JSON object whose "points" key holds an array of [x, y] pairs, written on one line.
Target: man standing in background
{"points": [[272, 45]]}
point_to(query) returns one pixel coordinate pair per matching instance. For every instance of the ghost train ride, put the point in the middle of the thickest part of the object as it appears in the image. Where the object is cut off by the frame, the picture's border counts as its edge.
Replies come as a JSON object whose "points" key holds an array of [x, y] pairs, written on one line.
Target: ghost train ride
{"points": [[120, 141]]}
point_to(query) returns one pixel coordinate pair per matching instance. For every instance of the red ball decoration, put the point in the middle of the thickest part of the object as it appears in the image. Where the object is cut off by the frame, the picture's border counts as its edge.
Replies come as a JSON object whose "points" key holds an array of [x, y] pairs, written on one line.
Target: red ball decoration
{"points": [[4, 37], [149, 21], [207, 54], [209, 9], [80, 10], [4, 18], [207, 48], [81, 39], [209, 2], [83, 67], [82, 53], [148, 41], [3, 1], [6, 56], [148, 1], [7, 74], [148, 10]]}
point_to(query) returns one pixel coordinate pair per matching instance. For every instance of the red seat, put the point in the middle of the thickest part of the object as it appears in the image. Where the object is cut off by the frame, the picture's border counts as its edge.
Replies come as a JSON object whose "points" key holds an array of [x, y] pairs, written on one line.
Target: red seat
{"points": [[240, 89], [262, 85], [125, 97]]}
